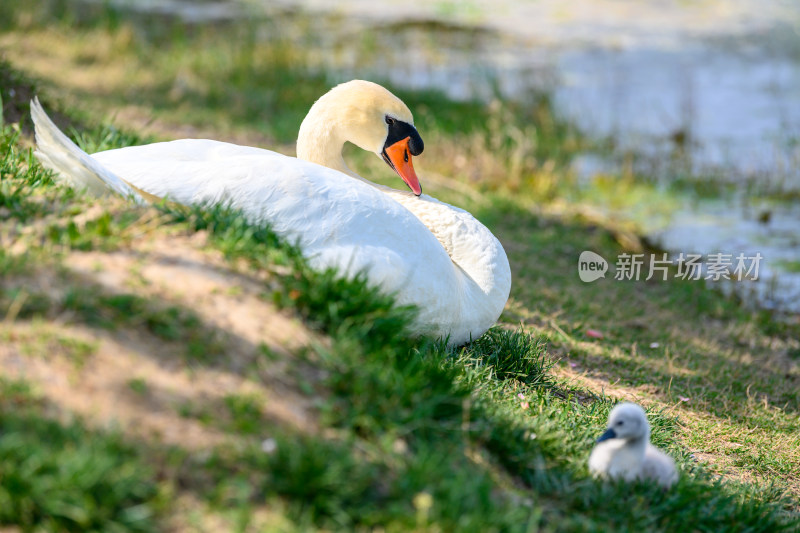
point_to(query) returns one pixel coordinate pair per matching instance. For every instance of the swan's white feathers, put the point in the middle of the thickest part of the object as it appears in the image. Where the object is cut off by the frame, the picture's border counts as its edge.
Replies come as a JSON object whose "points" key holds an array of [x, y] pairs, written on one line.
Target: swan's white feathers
{"points": [[429, 254], [336, 221], [58, 153]]}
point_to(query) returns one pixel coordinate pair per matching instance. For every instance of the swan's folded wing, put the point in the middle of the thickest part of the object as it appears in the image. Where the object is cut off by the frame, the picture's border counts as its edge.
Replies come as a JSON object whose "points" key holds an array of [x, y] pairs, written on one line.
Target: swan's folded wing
{"points": [[338, 221]]}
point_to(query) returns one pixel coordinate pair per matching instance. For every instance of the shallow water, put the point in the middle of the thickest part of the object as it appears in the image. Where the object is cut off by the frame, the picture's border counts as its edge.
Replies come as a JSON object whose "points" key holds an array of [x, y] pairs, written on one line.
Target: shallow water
{"points": [[722, 76], [737, 111], [723, 227]]}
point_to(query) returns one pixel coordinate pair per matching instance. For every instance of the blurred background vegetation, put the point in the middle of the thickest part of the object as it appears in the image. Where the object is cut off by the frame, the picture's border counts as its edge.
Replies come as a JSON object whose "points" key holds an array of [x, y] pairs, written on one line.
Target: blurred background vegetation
{"points": [[131, 402]]}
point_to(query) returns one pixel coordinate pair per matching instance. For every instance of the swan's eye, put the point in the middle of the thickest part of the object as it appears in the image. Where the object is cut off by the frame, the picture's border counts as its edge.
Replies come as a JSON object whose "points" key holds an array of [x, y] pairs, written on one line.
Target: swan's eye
{"points": [[389, 120], [620, 423]]}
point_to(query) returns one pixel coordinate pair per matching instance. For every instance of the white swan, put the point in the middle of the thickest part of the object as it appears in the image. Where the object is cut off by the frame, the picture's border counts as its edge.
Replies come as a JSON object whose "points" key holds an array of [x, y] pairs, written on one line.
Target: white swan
{"points": [[428, 253], [624, 450]]}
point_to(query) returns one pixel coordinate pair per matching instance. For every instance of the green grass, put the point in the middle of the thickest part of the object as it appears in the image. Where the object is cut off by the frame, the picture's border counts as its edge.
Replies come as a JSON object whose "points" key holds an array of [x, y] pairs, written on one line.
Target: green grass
{"points": [[90, 305], [415, 420], [245, 412], [417, 412], [64, 477], [789, 266], [138, 385], [19, 175], [412, 434], [42, 343]]}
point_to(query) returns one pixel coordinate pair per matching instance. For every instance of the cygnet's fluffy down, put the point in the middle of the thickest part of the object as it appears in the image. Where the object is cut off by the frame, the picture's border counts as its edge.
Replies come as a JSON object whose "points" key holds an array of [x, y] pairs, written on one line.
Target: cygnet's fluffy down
{"points": [[624, 450]]}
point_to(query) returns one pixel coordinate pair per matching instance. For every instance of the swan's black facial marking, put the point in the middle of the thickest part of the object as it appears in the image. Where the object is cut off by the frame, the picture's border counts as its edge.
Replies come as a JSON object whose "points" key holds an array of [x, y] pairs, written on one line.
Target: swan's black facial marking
{"points": [[388, 161], [399, 130], [402, 141]]}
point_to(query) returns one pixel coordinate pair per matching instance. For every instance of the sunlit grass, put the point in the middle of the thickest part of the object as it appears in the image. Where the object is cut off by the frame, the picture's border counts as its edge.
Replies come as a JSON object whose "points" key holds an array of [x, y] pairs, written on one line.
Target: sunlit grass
{"points": [[64, 477], [492, 436], [421, 435]]}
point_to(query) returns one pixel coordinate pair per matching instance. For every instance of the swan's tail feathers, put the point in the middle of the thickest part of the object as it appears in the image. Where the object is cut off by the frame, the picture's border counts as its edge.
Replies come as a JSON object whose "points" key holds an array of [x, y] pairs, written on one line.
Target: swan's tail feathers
{"points": [[71, 164]]}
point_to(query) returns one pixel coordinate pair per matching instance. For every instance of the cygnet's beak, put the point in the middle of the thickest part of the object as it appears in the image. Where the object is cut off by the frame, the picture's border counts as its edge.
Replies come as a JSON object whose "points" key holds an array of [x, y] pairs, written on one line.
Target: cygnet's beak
{"points": [[609, 434], [398, 156]]}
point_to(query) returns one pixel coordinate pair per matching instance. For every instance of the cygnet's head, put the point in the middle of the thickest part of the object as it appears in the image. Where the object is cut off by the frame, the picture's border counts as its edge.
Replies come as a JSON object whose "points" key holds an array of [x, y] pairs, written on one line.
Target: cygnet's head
{"points": [[626, 421], [372, 118]]}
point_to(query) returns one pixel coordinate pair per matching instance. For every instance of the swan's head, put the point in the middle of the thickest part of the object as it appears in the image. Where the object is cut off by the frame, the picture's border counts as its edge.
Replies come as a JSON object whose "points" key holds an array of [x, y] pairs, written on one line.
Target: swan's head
{"points": [[372, 118], [626, 421]]}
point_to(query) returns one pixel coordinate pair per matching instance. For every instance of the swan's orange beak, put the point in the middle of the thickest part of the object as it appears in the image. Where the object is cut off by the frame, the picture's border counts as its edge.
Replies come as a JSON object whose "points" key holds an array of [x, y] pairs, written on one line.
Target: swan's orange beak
{"points": [[398, 157]]}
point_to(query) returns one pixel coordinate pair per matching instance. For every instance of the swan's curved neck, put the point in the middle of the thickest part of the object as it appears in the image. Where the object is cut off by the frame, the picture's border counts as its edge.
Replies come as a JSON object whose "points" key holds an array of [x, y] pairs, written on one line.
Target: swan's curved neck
{"points": [[321, 141]]}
